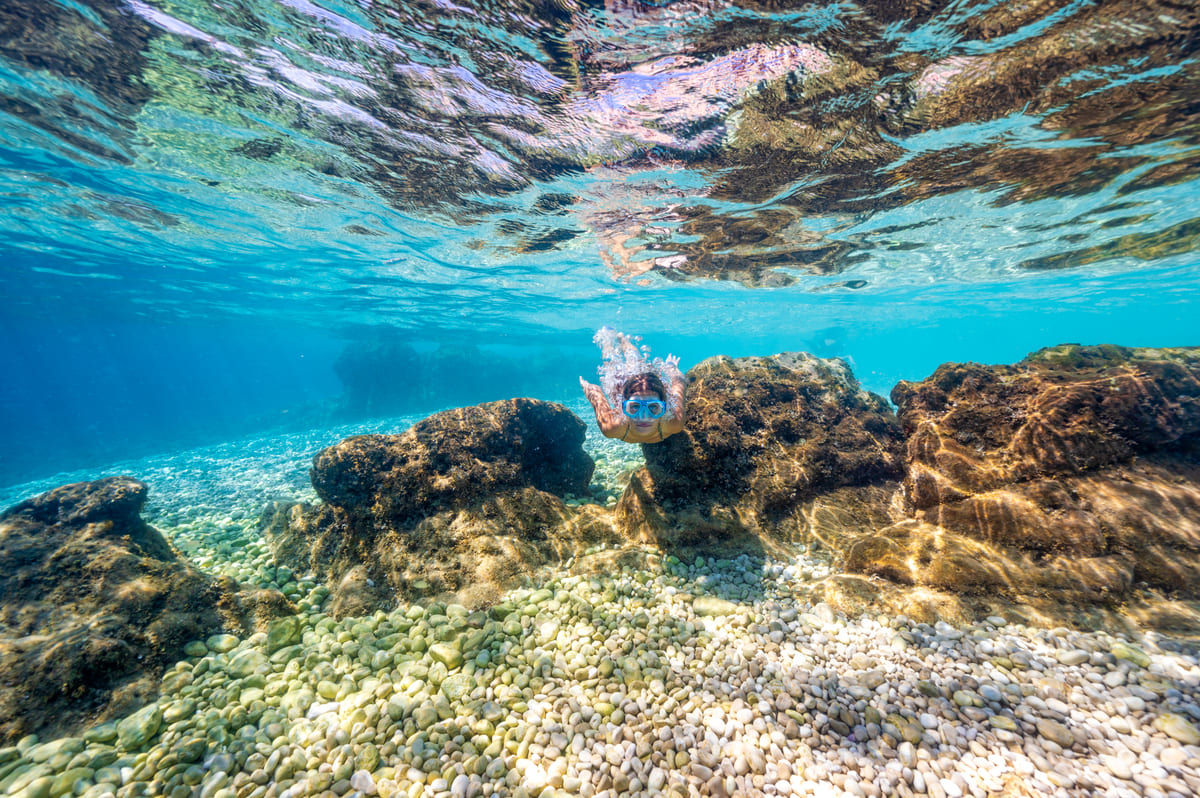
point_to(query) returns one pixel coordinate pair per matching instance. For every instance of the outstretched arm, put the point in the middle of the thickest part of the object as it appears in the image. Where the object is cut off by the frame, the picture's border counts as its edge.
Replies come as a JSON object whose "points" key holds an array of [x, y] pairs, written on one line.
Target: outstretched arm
{"points": [[610, 421]]}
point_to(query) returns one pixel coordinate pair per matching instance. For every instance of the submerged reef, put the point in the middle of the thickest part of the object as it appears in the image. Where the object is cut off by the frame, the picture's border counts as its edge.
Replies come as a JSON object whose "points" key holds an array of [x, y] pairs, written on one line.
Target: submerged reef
{"points": [[94, 603], [463, 504], [1057, 488]]}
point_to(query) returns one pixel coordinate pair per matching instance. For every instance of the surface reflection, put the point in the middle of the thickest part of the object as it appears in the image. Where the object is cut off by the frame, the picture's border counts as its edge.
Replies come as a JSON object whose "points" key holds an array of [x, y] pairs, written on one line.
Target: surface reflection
{"points": [[711, 134]]}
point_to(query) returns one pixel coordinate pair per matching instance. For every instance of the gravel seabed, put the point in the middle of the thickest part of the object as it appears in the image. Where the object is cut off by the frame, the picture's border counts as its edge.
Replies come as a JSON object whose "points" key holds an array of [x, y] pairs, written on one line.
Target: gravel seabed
{"points": [[683, 678]]}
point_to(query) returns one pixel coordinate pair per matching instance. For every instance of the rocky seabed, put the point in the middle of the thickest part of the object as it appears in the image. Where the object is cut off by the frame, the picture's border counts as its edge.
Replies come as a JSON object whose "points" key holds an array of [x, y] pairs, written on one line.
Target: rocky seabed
{"points": [[702, 678]]}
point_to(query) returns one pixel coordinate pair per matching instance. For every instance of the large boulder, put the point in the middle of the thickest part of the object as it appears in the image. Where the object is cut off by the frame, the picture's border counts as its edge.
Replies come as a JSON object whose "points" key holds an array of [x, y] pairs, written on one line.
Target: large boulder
{"points": [[1071, 475], [94, 604], [768, 442], [462, 505], [1061, 488]]}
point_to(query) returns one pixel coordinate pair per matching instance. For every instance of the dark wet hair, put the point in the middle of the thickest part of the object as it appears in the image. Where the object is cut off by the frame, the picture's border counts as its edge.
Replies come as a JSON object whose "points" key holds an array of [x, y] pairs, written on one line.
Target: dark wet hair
{"points": [[644, 383]]}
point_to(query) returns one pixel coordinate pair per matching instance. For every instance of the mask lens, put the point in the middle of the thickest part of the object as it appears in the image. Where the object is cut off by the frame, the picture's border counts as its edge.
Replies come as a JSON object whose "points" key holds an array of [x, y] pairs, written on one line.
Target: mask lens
{"points": [[644, 408]]}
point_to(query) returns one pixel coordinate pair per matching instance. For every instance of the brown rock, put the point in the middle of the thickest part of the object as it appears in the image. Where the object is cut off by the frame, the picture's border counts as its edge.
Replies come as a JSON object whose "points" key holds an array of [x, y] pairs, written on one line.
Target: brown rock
{"points": [[456, 459], [462, 505], [94, 603], [1071, 474], [767, 440]]}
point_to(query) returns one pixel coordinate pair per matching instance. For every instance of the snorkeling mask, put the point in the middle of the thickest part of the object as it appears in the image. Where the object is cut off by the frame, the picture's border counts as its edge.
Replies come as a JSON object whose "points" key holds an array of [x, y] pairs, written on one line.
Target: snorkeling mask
{"points": [[644, 408]]}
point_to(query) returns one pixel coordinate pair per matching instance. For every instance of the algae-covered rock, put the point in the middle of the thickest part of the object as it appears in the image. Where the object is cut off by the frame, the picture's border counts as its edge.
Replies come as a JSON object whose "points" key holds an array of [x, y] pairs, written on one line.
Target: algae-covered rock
{"points": [[765, 438], [1073, 471], [462, 505], [94, 603]]}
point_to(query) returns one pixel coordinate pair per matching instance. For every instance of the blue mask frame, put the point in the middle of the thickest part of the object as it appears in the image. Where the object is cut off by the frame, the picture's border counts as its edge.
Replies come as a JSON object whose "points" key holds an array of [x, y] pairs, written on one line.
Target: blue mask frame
{"points": [[644, 408]]}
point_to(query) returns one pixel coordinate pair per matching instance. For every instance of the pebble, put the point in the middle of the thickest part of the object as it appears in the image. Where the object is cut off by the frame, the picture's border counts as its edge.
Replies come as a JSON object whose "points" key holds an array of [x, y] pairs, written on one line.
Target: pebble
{"points": [[136, 730], [362, 781], [1117, 767], [221, 643], [1073, 658], [1055, 732], [1178, 728], [707, 606], [446, 654], [1129, 653], [991, 693]]}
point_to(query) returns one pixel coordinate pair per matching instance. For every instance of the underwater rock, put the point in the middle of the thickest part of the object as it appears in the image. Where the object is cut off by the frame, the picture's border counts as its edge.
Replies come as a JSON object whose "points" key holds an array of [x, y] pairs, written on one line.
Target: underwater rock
{"points": [[463, 503], [1056, 488], [773, 447], [94, 603], [1072, 474]]}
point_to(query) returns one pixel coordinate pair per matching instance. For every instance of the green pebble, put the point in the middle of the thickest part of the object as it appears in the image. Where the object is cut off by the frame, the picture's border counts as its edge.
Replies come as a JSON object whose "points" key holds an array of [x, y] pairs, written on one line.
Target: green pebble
{"points": [[457, 686], [1178, 728], [1055, 731], [102, 757], [25, 774], [1003, 722], [65, 783], [368, 759], [196, 648], [1130, 654], [66, 745], [136, 730], [191, 750], [284, 632], [175, 681], [398, 706], [179, 710], [912, 732], [38, 788], [244, 663], [928, 688], [221, 643], [287, 654], [965, 698], [425, 716]]}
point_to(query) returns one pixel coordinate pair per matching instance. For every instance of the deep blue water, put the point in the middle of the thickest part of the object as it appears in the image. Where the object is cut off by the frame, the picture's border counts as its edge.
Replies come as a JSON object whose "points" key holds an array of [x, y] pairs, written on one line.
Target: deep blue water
{"points": [[207, 207]]}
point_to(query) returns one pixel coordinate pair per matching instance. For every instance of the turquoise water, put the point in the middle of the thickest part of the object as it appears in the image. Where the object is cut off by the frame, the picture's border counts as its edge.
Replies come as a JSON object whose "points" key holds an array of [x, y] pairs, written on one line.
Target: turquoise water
{"points": [[207, 204]]}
